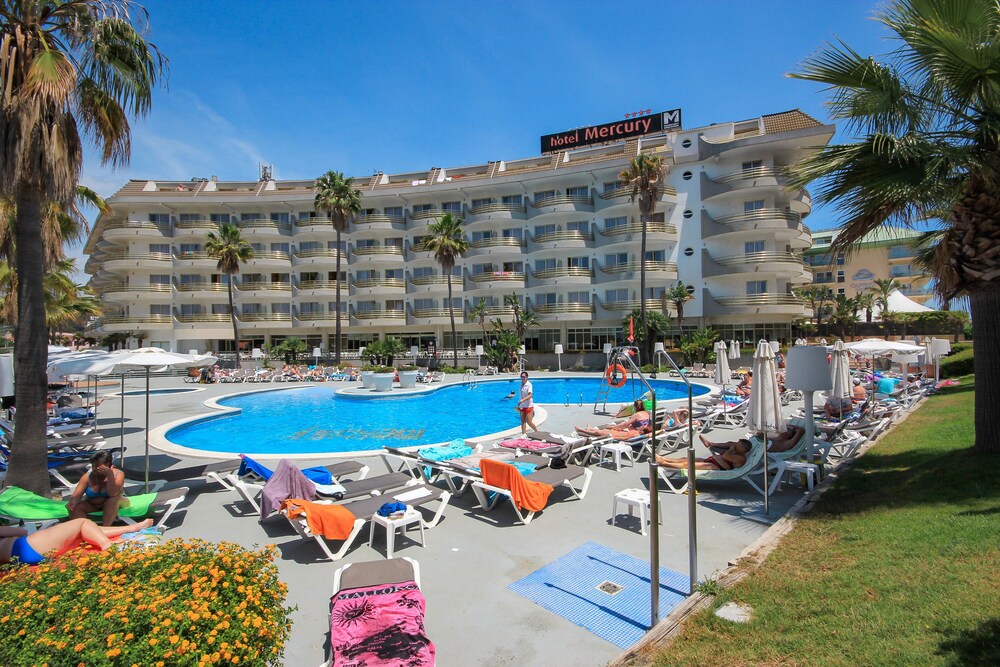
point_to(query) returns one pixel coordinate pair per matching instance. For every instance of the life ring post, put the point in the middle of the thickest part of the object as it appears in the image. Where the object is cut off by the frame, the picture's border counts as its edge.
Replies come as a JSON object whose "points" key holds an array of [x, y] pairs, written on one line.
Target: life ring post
{"points": [[616, 371]]}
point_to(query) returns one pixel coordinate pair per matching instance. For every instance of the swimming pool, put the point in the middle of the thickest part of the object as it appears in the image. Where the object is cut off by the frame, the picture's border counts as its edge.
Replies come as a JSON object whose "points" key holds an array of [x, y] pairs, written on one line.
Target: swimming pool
{"points": [[158, 392], [316, 420]]}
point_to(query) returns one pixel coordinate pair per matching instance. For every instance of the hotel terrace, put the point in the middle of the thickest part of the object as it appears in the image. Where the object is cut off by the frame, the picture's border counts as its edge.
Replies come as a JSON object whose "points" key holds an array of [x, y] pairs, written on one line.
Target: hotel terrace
{"points": [[558, 230]]}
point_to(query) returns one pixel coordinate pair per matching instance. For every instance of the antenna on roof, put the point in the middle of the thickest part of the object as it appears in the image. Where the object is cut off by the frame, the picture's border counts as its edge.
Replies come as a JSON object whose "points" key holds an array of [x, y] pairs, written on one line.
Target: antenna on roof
{"points": [[265, 171]]}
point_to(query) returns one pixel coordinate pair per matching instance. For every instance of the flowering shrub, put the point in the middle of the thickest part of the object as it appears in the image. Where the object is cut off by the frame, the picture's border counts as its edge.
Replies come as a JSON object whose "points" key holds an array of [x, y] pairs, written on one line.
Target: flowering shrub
{"points": [[184, 602]]}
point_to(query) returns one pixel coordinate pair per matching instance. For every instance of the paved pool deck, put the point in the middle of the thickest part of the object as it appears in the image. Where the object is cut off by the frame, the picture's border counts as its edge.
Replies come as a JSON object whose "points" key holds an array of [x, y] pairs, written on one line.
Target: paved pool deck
{"points": [[472, 556]]}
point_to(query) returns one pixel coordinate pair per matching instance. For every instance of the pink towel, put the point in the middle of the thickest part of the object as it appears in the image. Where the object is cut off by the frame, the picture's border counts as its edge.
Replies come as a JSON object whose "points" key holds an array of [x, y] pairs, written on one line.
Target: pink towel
{"points": [[524, 443], [286, 482], [380, 625]]}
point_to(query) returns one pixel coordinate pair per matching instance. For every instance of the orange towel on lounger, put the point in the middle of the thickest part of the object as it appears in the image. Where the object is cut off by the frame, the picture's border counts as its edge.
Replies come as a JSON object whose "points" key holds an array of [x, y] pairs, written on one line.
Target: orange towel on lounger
{"points": [[528, 495], [334, 522]]}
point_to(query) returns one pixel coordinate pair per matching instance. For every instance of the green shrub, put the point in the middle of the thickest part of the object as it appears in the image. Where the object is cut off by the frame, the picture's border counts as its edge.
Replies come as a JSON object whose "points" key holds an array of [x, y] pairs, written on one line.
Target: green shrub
{"points": [[959, 347], [958, 364], [185, 602]]}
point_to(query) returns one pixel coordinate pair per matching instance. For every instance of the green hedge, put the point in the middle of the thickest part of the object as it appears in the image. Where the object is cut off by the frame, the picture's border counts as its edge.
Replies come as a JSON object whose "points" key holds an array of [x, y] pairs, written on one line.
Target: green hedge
{"points": [[954, 365]]}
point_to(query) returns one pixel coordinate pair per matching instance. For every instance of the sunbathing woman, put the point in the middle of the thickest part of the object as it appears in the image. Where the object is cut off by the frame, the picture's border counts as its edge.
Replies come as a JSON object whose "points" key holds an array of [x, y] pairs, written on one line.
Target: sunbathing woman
{"points": [[746, 385], [100, 489], [30, 548], [735, 456], [639, 424]]}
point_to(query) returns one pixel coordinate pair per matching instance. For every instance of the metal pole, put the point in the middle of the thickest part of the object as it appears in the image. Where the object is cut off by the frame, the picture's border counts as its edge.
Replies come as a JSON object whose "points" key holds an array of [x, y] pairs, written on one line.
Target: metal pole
{"points": [[654, 521], [692, 498], [121, 433], [767, 497], [147, 430]]}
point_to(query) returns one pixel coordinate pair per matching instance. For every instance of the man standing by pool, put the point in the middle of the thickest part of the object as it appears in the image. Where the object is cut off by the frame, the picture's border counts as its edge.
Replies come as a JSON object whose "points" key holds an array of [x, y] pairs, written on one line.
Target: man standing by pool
{"points": [[526, 406]]}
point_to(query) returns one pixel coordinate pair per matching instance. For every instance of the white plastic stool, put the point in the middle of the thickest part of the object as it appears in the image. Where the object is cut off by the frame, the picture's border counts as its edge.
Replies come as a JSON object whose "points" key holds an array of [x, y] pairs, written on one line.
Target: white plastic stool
{"points": [[638, 498], [392, 524], [808, 469], [617, 450]]}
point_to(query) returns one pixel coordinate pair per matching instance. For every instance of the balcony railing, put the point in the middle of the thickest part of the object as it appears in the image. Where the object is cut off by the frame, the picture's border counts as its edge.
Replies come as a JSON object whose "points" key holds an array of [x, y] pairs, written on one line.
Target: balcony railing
{"points": [[651, 304], [264, 224], [314, 222], [379, 218], [380, 314], [431, 213], [750, 174], [205, 318], [133, 224], [276, 286], [316, 316], [379, 250], [631, 267], [432, 280], [636, 228], [558, 200], [562, 272], [420, 247], [498, 242], [492, 311], [144, 256], [514, 276], [330, 253], [121, 287], [316, 284], [138, 319], [201, 223], [498, 208], [435, 312], [618, 193], [758, 215], [550, 237], [381, 282], [558, 308], [264, 317], [760, 258], [767, 299], [193, 254], [202, 287], [271, 254]]}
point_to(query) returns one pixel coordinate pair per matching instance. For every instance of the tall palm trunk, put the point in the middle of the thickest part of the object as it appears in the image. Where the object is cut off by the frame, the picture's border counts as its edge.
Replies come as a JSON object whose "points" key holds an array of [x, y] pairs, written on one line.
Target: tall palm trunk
{"points": [[336, 342], [232, 317], [680, 319], [984, 307], [28, 468], [454, 332]]}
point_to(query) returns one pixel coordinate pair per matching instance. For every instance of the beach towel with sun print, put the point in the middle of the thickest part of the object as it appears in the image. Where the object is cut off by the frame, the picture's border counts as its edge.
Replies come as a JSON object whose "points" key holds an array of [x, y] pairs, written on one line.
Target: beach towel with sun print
{"points": [[380, 625]]}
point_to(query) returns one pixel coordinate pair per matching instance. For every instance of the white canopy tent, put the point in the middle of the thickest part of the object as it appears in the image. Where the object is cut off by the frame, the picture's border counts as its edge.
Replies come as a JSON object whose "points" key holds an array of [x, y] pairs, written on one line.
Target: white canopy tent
{"points": [[898, 303]]}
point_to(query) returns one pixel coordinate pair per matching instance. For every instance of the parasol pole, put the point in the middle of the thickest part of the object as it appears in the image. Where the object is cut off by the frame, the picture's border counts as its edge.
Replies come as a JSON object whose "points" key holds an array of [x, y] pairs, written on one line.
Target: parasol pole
{"points": [[147, 430], [121, 431]]}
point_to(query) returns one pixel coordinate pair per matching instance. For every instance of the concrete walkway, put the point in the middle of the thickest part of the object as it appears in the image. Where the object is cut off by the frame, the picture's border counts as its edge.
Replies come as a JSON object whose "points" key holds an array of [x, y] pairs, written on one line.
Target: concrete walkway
{"points": [[471, 556]]}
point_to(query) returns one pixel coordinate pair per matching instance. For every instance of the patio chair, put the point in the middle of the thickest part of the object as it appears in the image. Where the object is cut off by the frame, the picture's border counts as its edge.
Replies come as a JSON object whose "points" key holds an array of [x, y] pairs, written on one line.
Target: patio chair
{"points": [[389, 592], [248, 481], [527, 494], [345, 527], [17, 504]]}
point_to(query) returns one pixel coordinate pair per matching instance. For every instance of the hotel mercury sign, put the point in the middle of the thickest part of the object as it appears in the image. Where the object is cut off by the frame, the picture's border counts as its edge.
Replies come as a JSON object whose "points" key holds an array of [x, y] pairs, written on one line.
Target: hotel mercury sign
{"points": [[623, 129]]}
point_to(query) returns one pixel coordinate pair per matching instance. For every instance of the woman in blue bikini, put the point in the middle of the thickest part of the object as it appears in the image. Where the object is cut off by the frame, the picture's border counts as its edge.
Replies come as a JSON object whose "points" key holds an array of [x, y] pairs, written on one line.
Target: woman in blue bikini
{"points": [[30, 548], [100, 489]]}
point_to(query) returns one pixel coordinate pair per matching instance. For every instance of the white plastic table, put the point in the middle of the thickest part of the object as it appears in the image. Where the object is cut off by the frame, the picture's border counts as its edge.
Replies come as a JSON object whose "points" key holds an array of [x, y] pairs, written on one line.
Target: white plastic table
{"points": [[392, 524], [617, 451], [638, 498]]}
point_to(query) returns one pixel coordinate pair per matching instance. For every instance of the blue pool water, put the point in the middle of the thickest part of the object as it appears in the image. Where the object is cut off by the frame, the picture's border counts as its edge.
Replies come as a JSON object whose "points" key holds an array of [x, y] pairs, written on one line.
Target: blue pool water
{"points": [[316, 420]]}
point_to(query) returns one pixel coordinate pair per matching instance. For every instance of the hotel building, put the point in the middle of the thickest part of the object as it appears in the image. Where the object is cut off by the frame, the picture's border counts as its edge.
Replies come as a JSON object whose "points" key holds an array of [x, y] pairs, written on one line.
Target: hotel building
{"points": [[884, 253], [557, 230]]}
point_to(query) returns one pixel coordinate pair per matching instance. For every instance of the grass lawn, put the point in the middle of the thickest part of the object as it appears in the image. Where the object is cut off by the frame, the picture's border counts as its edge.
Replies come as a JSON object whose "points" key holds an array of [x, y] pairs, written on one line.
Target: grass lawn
{"points": [[898, 564]]}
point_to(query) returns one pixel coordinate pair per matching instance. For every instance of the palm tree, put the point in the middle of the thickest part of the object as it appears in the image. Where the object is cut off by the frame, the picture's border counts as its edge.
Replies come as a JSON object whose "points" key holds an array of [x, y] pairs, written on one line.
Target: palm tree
{"points": [[928, 141], [340, 201], [479, 313], [880, 292], [69, 68], [866, 302], [448, 243], [231, 251], [523, 318], [816, 296], [678, 296], [845, 313], [644, 176]]}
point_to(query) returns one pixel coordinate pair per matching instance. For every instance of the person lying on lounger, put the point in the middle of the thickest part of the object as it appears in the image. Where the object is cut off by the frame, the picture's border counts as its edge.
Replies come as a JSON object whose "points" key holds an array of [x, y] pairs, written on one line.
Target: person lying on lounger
{"points": [[30, 548], [782, 442], [639, 424], [735, 456]]}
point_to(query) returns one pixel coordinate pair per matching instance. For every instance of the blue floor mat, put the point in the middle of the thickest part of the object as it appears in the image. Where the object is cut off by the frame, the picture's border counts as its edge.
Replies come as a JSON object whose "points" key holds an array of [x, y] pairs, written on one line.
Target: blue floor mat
{"points": [[568, 587]]}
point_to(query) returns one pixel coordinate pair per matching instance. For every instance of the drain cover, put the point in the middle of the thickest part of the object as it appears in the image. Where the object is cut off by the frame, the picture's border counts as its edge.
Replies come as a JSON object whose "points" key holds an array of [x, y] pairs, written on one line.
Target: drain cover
{"points": [[610, 587]]}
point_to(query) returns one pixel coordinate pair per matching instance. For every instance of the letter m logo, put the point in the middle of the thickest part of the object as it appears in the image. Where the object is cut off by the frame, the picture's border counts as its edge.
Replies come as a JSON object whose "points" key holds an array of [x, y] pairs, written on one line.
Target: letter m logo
{"points": [[671, 119]]}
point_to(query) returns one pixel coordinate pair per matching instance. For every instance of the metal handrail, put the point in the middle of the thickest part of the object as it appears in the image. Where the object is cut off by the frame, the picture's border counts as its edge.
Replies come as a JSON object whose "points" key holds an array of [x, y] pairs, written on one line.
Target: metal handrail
{"points": [[379, 218], [381, 282], [271, 254], [767, 299], [562, 272], [562, 236], [146, 256], [264, 317], [214, 318], [433, 312], [557, 200], [750, 174], [758, 215], [379, 250], [192, 254], [633, 304], [498, 208], [430, 280], [273, 286], [379, 314], [135, 288], [202, 287], [316, 252], [498, 275], [145, 319], [200, 223], [133, 224], [316, 284], [264, 224], [430, 213], [631, 267], [627, 192], [636, 228], [555, 308], [760, 258], [498, 241], [313, 317]]}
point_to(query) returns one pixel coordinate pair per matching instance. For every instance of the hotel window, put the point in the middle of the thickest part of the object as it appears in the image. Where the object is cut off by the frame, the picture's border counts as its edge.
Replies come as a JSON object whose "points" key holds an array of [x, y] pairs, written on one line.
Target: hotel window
{"points": [[423, 304], [159, 279], [840, 259], [395, 305], [823, 277], [544, 194], [547, 299], [453, 207], [308, 215], [310, 308], [615, 296], [483, 236], [394, 211], [590, 338], [281, 218], [394, 243], [280, 247], [515, 233], [841, 290], [367, 212], [188, 248], [249, 217], [581, 191], [841, 277], [163, 248], [520, 300], [578, 297], [190, 217], [611, 186], [423, 272], [159, 218], [334, 307], [253, 308], [332, 245], [512, 200], [752, 165], [491, 301], [751, 206], [611, 223], [280, 277], [219, 218], [479, 203], [544, 229], [545, 264], [192, 309], [251, 278], [512, 267], [481, 269], [657, 217], [583, 227], [394, 274], [656, 255], [159, 309], [258, 248], [366, 275], [308, 276], [456, 303], [366, 243], [655, 293], [578, 262], [220, 308], [753, 247], [422, 208], [220, 278], [756, 287], [281, 308], [305, 246], [617, 259]]}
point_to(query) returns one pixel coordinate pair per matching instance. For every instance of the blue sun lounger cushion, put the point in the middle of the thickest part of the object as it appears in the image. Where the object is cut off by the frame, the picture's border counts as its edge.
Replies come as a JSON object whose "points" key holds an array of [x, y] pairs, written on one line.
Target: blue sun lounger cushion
{"points": [[317, 475], [455, 449]]}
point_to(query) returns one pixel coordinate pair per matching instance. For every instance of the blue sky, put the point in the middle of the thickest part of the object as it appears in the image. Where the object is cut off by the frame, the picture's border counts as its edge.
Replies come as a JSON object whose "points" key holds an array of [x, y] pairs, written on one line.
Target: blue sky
{"points": [[401, 86]]}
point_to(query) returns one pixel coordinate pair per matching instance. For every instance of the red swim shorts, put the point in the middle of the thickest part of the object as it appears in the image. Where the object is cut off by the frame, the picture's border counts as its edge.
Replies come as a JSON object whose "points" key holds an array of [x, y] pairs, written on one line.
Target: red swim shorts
{"points": [[527, 411]]}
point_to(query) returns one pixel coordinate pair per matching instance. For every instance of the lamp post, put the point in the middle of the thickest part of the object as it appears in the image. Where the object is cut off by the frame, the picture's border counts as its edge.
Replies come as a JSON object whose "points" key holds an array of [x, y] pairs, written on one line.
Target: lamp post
{"points": [[607, 354], [807, 371], [316, 355], [520, 358], [657, 350], [559, 352], [940, 347], [479, 354], [414, 352], [257, 355]]}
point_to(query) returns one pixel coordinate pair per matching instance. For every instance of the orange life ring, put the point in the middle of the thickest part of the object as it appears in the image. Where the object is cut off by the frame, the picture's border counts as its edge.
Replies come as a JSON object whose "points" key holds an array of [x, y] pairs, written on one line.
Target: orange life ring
{"points": [[622, 375]]}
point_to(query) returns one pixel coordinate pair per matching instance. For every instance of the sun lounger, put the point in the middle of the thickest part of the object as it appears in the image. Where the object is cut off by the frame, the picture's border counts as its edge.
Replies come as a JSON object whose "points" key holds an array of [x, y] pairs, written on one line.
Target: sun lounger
{"points": [[217, 471], [521, 496], [389, 592], [17, 504], [415, 494], [248, 481], [753, 465]]}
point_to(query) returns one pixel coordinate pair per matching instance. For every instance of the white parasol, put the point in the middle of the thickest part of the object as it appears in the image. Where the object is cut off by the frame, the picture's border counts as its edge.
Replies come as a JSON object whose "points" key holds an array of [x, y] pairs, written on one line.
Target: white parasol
{"points": [[764, 412], [734, 349], [840, 373]]}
